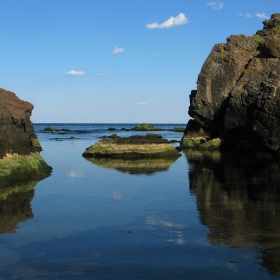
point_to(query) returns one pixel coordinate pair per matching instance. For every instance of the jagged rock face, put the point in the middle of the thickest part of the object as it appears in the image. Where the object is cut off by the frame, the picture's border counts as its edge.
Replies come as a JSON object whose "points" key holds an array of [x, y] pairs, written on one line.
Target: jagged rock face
{"points": [[238, 91], [17, 132]]}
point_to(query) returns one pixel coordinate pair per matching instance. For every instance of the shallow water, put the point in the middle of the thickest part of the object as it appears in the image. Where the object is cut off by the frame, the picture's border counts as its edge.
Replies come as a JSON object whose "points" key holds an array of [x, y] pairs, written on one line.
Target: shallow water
{"points": [[204, 216]]}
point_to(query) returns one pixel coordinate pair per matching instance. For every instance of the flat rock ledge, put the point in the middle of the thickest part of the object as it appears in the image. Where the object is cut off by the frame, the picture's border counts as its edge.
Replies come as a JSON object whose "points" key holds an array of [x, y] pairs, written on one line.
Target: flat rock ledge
{"points": [[132, 147]]}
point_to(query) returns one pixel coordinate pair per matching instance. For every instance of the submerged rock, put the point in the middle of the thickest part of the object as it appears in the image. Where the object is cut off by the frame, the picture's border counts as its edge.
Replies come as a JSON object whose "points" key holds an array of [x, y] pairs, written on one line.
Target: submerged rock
{"points": [[238, 92], [132, 147], [19, 145]]}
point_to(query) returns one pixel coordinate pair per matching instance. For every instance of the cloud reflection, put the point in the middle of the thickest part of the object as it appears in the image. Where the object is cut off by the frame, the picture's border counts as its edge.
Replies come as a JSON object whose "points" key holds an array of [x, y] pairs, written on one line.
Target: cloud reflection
{"points": [[171, 229], [75, 174]]}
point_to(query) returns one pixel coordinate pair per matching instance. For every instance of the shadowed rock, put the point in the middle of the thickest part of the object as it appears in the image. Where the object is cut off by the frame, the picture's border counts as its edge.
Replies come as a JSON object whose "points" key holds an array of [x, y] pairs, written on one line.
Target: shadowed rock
{"points": [[238, 92], [19, 145]]}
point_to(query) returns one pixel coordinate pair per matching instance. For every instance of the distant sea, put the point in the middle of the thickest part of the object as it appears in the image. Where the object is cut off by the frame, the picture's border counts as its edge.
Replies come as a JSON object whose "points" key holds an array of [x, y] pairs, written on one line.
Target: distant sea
{"points": [[202, 216]]}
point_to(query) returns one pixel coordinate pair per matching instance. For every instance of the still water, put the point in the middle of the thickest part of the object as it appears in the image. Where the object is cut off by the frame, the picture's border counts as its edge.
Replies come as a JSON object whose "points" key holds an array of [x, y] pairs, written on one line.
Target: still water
{"points": [[203, 216]]}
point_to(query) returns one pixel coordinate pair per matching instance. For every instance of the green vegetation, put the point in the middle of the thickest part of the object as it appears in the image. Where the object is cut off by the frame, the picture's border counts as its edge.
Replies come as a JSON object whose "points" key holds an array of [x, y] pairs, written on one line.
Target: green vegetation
{"points": [[149, 134], [201, 143], [50, 129], [112, 136], [145, 127], [259, 39], [36, 144], [276, 30], [179, 129], [17, 168], [256, 53], [192, 142], [109, 149]]}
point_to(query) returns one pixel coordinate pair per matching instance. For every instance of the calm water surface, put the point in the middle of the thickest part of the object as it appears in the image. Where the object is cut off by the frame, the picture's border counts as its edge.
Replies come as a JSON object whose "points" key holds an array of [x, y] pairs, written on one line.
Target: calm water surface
{"points": [[203, 216]]}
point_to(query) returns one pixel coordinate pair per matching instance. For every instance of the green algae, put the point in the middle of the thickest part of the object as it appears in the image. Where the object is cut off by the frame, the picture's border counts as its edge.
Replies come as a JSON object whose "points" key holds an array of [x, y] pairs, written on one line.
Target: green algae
{"points": [[146, 127], [130, 151], [178, 129], [149, 134], [19, 168]]}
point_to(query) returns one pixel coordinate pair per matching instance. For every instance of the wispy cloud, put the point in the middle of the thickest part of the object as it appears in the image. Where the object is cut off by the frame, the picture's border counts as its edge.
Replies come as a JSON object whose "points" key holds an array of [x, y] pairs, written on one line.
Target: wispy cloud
{"points": [[158, 53], [171, 22], [262, 15], [142, 104], [242, 15], [117, 50], [100, 74], [74, 72], [216, 5]]}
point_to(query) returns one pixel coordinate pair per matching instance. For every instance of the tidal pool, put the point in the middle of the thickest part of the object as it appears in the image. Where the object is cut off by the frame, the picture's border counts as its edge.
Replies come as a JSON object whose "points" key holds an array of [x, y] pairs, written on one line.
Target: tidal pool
{"points": [[203, 216]]}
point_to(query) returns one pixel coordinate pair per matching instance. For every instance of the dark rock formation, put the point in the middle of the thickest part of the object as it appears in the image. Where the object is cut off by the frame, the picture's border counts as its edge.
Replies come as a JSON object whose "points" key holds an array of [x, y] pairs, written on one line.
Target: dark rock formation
{"points": [[19, 145], [238, 92], [17, 132]]}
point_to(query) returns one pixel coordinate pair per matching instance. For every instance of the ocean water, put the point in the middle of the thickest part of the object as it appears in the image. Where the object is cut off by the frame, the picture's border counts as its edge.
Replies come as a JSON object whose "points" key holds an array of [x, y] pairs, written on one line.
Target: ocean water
{"points": [[202, 216]]}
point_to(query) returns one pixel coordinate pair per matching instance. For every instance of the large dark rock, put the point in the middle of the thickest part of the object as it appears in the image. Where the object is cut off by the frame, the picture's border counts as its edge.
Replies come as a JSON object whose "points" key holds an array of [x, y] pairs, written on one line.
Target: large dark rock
{"points": [[238, 92], [20, 160], [17, 132]]}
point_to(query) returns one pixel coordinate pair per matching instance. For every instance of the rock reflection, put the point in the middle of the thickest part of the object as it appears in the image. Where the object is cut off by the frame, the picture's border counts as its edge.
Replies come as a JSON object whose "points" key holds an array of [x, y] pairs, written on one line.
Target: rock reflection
{"points": [[15, 206], [135, 166], [238, 200]]}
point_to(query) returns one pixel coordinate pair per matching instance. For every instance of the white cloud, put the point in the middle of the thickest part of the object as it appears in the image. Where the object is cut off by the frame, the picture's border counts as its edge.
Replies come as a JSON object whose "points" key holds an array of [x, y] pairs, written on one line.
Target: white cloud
{"points": [[216, 5], [171, 22], [117, 50], [142, 104], [262, 16], [248, 15], [159, 53], [100, 74], [74, 72]]}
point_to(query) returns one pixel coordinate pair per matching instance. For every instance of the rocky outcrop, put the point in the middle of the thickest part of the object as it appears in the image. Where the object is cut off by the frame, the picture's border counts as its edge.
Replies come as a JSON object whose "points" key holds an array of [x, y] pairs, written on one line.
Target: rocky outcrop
{"points": [[238, 92], [19, 146], [132, 147], [17, 132]]}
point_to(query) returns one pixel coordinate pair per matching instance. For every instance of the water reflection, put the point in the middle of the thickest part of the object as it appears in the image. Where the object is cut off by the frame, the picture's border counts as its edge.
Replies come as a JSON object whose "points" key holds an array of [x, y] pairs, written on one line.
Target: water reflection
{"points": [[238, 200], [136, 166], [15, 206]]}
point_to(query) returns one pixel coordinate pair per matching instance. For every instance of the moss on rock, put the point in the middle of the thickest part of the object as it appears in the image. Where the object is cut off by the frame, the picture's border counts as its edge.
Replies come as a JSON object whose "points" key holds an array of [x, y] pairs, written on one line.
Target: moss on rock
{"points": [[50, 129], [132, 147], [146, 127], [19, 168]]}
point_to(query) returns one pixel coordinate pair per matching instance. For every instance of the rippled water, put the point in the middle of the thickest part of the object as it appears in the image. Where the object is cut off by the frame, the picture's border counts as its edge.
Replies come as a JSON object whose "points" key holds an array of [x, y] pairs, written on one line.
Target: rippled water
{"points": [[204, 216]]}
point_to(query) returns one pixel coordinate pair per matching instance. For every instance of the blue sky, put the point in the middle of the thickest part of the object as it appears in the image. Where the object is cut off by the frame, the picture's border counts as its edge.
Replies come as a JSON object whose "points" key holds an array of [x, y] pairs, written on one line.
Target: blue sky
{"points": [[115, 61]]}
